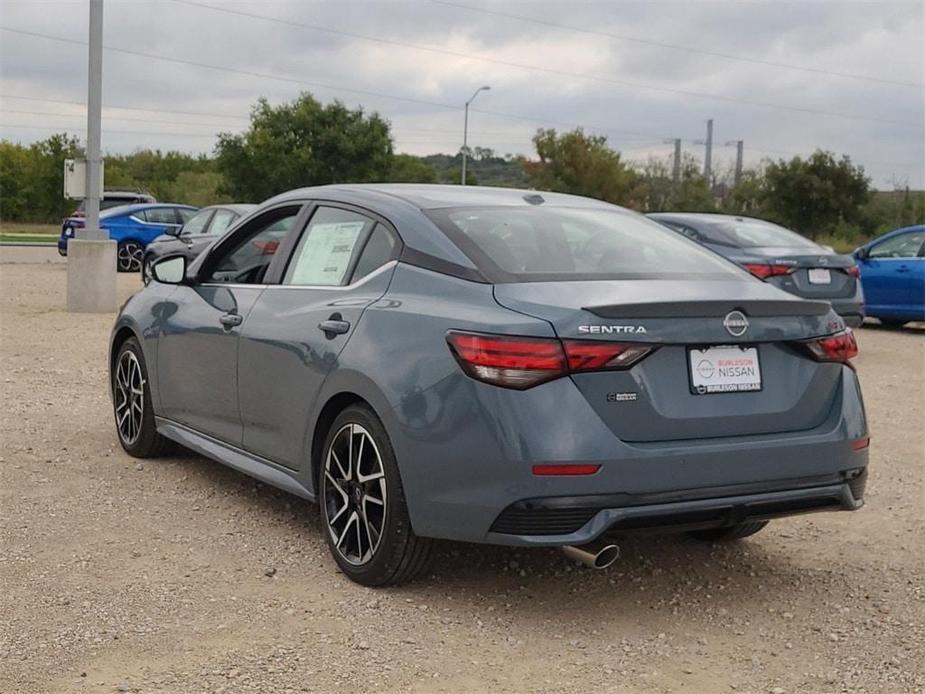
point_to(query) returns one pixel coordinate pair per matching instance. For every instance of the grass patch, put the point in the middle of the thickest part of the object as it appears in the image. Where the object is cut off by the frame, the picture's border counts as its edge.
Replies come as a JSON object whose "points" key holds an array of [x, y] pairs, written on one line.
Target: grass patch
{"points": [[45, 239], [7, 228]]}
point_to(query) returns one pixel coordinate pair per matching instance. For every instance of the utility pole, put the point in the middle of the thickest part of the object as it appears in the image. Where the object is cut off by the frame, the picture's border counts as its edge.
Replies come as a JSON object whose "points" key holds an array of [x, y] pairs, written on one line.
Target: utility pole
{"points": [[91, 262], [740, 146], [708, 153], [676, 161], [465, 147]]}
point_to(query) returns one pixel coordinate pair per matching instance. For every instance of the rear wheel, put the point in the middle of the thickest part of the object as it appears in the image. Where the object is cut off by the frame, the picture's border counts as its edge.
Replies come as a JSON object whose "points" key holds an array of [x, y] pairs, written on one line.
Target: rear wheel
{"points": [[728, 534], [363, 506], [131, 401], [893, 322], [128, 256]]}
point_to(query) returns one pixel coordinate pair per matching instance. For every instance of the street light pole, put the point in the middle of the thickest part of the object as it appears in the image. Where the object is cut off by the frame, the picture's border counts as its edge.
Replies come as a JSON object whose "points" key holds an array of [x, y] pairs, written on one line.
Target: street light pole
{"points": [[465, 147], [91, 255]]}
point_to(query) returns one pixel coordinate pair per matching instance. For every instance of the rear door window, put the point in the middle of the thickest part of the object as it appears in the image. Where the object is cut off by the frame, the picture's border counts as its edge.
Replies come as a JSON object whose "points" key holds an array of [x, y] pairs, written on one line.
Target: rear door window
{"points": [[325, 253], [161, 215]]}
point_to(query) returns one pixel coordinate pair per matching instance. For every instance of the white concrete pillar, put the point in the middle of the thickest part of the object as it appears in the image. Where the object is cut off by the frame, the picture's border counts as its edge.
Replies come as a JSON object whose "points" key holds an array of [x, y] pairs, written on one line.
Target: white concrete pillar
{"points": [[91, 276]]}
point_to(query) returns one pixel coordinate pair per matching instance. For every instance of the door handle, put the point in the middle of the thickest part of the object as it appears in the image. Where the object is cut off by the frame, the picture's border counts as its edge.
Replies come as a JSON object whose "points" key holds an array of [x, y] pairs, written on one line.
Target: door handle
{"points": [[902, 268], [230, 320], [334, 326]]}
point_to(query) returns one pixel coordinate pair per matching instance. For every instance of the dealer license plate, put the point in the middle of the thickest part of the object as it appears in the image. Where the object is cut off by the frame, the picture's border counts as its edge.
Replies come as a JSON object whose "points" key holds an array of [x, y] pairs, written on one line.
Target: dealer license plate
{"points": [[820, 275], [726, 369]]}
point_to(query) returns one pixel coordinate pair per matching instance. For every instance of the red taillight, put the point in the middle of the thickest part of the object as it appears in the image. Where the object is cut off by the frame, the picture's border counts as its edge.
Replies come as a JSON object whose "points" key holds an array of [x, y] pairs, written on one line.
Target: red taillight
{"points": [[266, 247], [762, 271], [523, 362], [853, 270], [559, 470], [861, 444], [585, 355], [839, 347]]}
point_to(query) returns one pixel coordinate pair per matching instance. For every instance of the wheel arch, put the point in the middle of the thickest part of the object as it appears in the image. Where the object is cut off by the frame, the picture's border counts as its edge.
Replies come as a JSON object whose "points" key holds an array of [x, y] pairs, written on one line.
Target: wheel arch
{"points": [[334, 405]]}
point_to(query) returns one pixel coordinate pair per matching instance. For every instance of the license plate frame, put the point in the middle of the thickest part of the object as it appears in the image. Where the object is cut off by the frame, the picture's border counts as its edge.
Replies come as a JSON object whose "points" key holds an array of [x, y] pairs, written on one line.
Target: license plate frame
{"points": [[819, 275], [700, 373]]}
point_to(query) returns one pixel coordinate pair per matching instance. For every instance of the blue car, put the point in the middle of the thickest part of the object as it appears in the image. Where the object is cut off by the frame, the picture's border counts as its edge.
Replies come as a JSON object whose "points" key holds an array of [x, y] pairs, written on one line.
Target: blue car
{"points": [[488, 365], [893, 275], [133, 227]]}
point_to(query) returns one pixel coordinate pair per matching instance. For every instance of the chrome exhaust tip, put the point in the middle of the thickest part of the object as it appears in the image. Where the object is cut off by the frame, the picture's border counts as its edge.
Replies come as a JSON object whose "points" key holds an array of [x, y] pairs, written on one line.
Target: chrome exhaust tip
{"points": [[594, 556]]}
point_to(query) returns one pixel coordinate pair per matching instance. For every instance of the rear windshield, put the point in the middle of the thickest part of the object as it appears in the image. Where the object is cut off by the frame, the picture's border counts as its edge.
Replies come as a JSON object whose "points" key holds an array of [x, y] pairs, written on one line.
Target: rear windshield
{"points": [[754, 233], [517, 244]]}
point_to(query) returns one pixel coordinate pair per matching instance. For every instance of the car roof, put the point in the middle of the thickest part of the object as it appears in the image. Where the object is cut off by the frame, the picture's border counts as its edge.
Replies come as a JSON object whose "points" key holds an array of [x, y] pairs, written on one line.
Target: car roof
{"points": [[131, 209], [708, 217], [239, 207], [435, 196]]}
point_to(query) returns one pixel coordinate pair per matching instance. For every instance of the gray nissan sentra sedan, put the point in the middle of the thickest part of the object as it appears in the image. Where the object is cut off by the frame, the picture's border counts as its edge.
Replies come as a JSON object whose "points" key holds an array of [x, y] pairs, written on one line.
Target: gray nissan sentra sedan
{"points": [[491, 365]]}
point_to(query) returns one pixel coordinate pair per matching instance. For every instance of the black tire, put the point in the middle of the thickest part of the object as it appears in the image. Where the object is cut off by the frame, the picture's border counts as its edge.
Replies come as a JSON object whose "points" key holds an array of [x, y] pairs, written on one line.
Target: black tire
{"points": [[138, 436], [893, 322], [128, 256], [730, 533], [398, 555]]}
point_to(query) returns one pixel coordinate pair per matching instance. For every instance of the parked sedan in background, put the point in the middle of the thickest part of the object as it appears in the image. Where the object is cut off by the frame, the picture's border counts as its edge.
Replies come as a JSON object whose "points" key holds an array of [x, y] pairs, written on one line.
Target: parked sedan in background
{"points": [[116, 198], [490, 365], [133, 227], [208, 224], [893, 275], [778, 256]]}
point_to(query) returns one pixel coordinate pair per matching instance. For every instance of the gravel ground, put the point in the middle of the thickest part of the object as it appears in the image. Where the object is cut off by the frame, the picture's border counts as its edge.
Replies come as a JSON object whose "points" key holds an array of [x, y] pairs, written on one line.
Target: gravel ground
{"points": [[179, 575]]}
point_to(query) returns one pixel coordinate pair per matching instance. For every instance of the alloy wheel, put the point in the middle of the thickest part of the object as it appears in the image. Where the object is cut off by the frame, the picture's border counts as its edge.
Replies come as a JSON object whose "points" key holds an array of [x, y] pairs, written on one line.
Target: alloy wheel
{"points": [[129, 397], [354, 494], [130, 255]]}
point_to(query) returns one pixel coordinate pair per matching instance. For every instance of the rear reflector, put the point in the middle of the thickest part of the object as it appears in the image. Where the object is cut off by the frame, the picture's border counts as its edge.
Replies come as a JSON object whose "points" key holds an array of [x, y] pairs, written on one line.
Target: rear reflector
{"points": [[860, 444], [559, 470], [838, 347], [523, 362], [763, 271]]}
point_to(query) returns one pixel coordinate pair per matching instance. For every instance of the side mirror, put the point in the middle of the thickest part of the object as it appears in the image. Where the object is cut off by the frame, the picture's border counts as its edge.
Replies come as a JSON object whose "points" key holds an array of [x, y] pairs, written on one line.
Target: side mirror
{"points": [[862, 253], [170, 270]]}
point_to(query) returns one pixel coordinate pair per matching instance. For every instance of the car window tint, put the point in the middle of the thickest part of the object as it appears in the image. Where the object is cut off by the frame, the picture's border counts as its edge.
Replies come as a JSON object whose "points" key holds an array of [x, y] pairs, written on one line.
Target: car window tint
{"points": [[246, 262], [549, 243], [376, 253], [754, 233], [197, 224], [222, 220], [324, 253], [902, 246], [161, 215], [185, 214]]}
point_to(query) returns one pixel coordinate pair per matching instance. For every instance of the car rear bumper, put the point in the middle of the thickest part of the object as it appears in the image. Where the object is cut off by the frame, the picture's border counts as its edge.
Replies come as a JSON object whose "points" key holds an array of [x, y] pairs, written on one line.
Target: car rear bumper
{"points": [[475, 480], [579, 520]]}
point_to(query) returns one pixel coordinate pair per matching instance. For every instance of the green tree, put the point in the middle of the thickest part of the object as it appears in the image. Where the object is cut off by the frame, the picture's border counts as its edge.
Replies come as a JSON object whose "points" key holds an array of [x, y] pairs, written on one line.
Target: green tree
{"points": [[407, 168], [32, 178], [303, 143], [656, 189], [817, 194], [581, 164]]}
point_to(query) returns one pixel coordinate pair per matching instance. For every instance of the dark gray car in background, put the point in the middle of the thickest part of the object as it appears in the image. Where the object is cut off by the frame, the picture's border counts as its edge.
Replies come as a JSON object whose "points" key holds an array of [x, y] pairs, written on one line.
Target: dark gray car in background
{"points": [[490, 365], [778, 256], [208, 224]]}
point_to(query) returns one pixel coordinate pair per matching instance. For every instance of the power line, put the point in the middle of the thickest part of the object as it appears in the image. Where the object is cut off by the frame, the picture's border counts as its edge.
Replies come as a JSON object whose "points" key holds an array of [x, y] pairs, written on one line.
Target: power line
{"points": [[105, 130], [134, 120], [553, 71], [687, 49], [124, 108], [222, 68]]}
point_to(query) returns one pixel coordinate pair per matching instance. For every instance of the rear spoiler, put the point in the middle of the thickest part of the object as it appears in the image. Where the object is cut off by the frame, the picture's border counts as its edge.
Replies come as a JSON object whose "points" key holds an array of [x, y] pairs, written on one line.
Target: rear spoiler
{"points": [[711, 309]]}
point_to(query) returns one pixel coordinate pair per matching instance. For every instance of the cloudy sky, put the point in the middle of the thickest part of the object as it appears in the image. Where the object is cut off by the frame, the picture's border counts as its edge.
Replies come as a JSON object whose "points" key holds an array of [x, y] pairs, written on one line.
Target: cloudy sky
{"points": [[785, 77]]}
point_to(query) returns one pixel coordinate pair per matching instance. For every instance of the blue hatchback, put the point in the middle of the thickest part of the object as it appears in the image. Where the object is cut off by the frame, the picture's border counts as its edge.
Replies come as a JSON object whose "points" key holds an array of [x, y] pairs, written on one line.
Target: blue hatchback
{"points": [[893, 275], [133, 227]]}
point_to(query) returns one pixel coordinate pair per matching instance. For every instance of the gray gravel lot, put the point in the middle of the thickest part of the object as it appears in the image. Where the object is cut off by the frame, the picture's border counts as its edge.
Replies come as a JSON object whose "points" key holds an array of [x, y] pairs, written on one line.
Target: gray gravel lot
{"points": [[179, 575]]}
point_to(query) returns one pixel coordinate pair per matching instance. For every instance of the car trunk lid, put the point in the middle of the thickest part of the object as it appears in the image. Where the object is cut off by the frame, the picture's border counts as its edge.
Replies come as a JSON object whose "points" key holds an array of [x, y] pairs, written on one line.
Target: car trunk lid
{"points": [[657, 399]]}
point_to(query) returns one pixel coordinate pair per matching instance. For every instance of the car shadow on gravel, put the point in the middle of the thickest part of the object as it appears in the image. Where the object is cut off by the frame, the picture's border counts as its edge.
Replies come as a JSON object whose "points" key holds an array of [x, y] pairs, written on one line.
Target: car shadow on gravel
{"points": [[651, 566]]}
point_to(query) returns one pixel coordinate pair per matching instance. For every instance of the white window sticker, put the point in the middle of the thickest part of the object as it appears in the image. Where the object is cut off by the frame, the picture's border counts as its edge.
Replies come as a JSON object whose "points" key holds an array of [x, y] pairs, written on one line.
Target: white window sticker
{"points": [[326, 252]]}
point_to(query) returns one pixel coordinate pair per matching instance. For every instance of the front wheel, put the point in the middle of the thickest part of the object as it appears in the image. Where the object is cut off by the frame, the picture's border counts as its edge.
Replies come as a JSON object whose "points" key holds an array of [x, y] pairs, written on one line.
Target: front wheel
{"points": [[893, 322], [730, 533], [131, 401], [128, 256], [363, 507]]}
